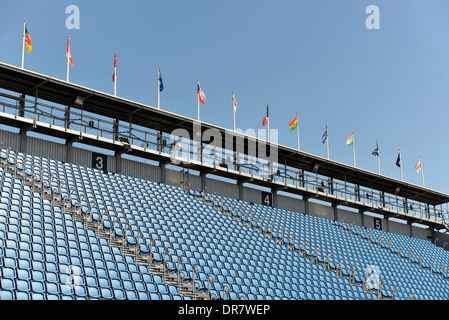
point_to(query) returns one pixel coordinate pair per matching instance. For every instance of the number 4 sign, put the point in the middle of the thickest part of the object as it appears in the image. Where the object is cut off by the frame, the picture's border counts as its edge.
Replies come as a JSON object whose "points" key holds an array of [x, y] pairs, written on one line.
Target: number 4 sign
{"points": [[267, 198]]}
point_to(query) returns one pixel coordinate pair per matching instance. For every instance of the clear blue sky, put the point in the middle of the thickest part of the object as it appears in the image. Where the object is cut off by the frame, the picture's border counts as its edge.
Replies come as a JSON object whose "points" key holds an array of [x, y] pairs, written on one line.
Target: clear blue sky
{"points": [[314, 58]]}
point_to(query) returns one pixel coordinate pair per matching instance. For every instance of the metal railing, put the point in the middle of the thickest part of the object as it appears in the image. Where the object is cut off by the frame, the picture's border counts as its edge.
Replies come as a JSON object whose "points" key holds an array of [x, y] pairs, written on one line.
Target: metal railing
{"points": [[188, 151]]}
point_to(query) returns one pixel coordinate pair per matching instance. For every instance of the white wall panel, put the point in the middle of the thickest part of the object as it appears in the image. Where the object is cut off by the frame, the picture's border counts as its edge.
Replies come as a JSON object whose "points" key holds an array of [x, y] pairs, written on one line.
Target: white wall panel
{"points": [[82, 157], [253, 195], [10, 139], [139, 169], [292, 204], [222, 188], [45, 148]]}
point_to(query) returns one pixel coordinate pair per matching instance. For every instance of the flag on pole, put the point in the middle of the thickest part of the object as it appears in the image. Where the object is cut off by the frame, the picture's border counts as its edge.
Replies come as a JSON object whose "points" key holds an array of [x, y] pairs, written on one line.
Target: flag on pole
{"points": [[293, 124], [325, 140], [376, 152], [418, 166], [201, 95], [399, 162], [265, 119], [28, 40], [419, 169], [350, 140], [161, 84], [324, 137], [68, 54], [115, 67]]}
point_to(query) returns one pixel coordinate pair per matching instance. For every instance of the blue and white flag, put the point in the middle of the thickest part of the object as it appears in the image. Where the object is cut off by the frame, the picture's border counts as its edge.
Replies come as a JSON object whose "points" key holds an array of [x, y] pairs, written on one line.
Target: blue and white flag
{"points": [[376, 152], [161, 84], [324, 137]]}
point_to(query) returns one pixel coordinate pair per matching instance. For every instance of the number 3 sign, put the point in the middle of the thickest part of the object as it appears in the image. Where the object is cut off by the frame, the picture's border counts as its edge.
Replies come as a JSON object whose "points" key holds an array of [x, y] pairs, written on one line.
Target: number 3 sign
{"points": [[99, 161]]}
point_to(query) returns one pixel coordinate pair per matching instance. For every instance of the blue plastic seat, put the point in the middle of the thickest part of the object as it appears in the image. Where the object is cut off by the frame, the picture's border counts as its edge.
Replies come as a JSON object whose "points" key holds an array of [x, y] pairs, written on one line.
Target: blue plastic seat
{"points": [[119, 294], [21, 295], [93, 292], [37, 286], [7, 295], [52, 288], [106, 293], [38, 275]]}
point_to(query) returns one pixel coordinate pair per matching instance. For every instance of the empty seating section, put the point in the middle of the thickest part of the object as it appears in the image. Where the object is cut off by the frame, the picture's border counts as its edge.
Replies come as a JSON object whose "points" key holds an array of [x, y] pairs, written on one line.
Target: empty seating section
{"points": [[252, 251], [45, 254]]}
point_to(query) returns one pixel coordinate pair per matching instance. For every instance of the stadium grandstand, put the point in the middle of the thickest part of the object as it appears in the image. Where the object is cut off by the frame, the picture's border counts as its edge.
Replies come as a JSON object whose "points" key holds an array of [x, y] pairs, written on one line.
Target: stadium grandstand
{"points": [[163, 218]]}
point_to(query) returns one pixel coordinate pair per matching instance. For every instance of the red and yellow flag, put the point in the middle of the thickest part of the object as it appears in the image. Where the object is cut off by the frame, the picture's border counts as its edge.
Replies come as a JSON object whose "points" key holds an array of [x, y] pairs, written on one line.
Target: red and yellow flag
{"points": [[28, 40], [293, 124]]}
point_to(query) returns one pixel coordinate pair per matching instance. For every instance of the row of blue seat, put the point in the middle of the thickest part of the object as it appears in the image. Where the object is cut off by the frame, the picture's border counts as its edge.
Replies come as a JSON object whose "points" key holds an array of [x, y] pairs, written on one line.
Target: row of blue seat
{"points": [[192, 229]]}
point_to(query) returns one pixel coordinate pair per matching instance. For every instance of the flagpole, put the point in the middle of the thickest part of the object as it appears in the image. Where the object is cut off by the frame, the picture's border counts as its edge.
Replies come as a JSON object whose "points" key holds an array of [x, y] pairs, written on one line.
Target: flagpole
{"points": [[198, 98], [233, 108], [400, 158], [327, 142], [297, 130], [158, 89], [23, 42], [67, 56], [115, 73], [422, 170], [268, 125], [353, 147], [67, 79], [268, 129], [378, 156]]}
